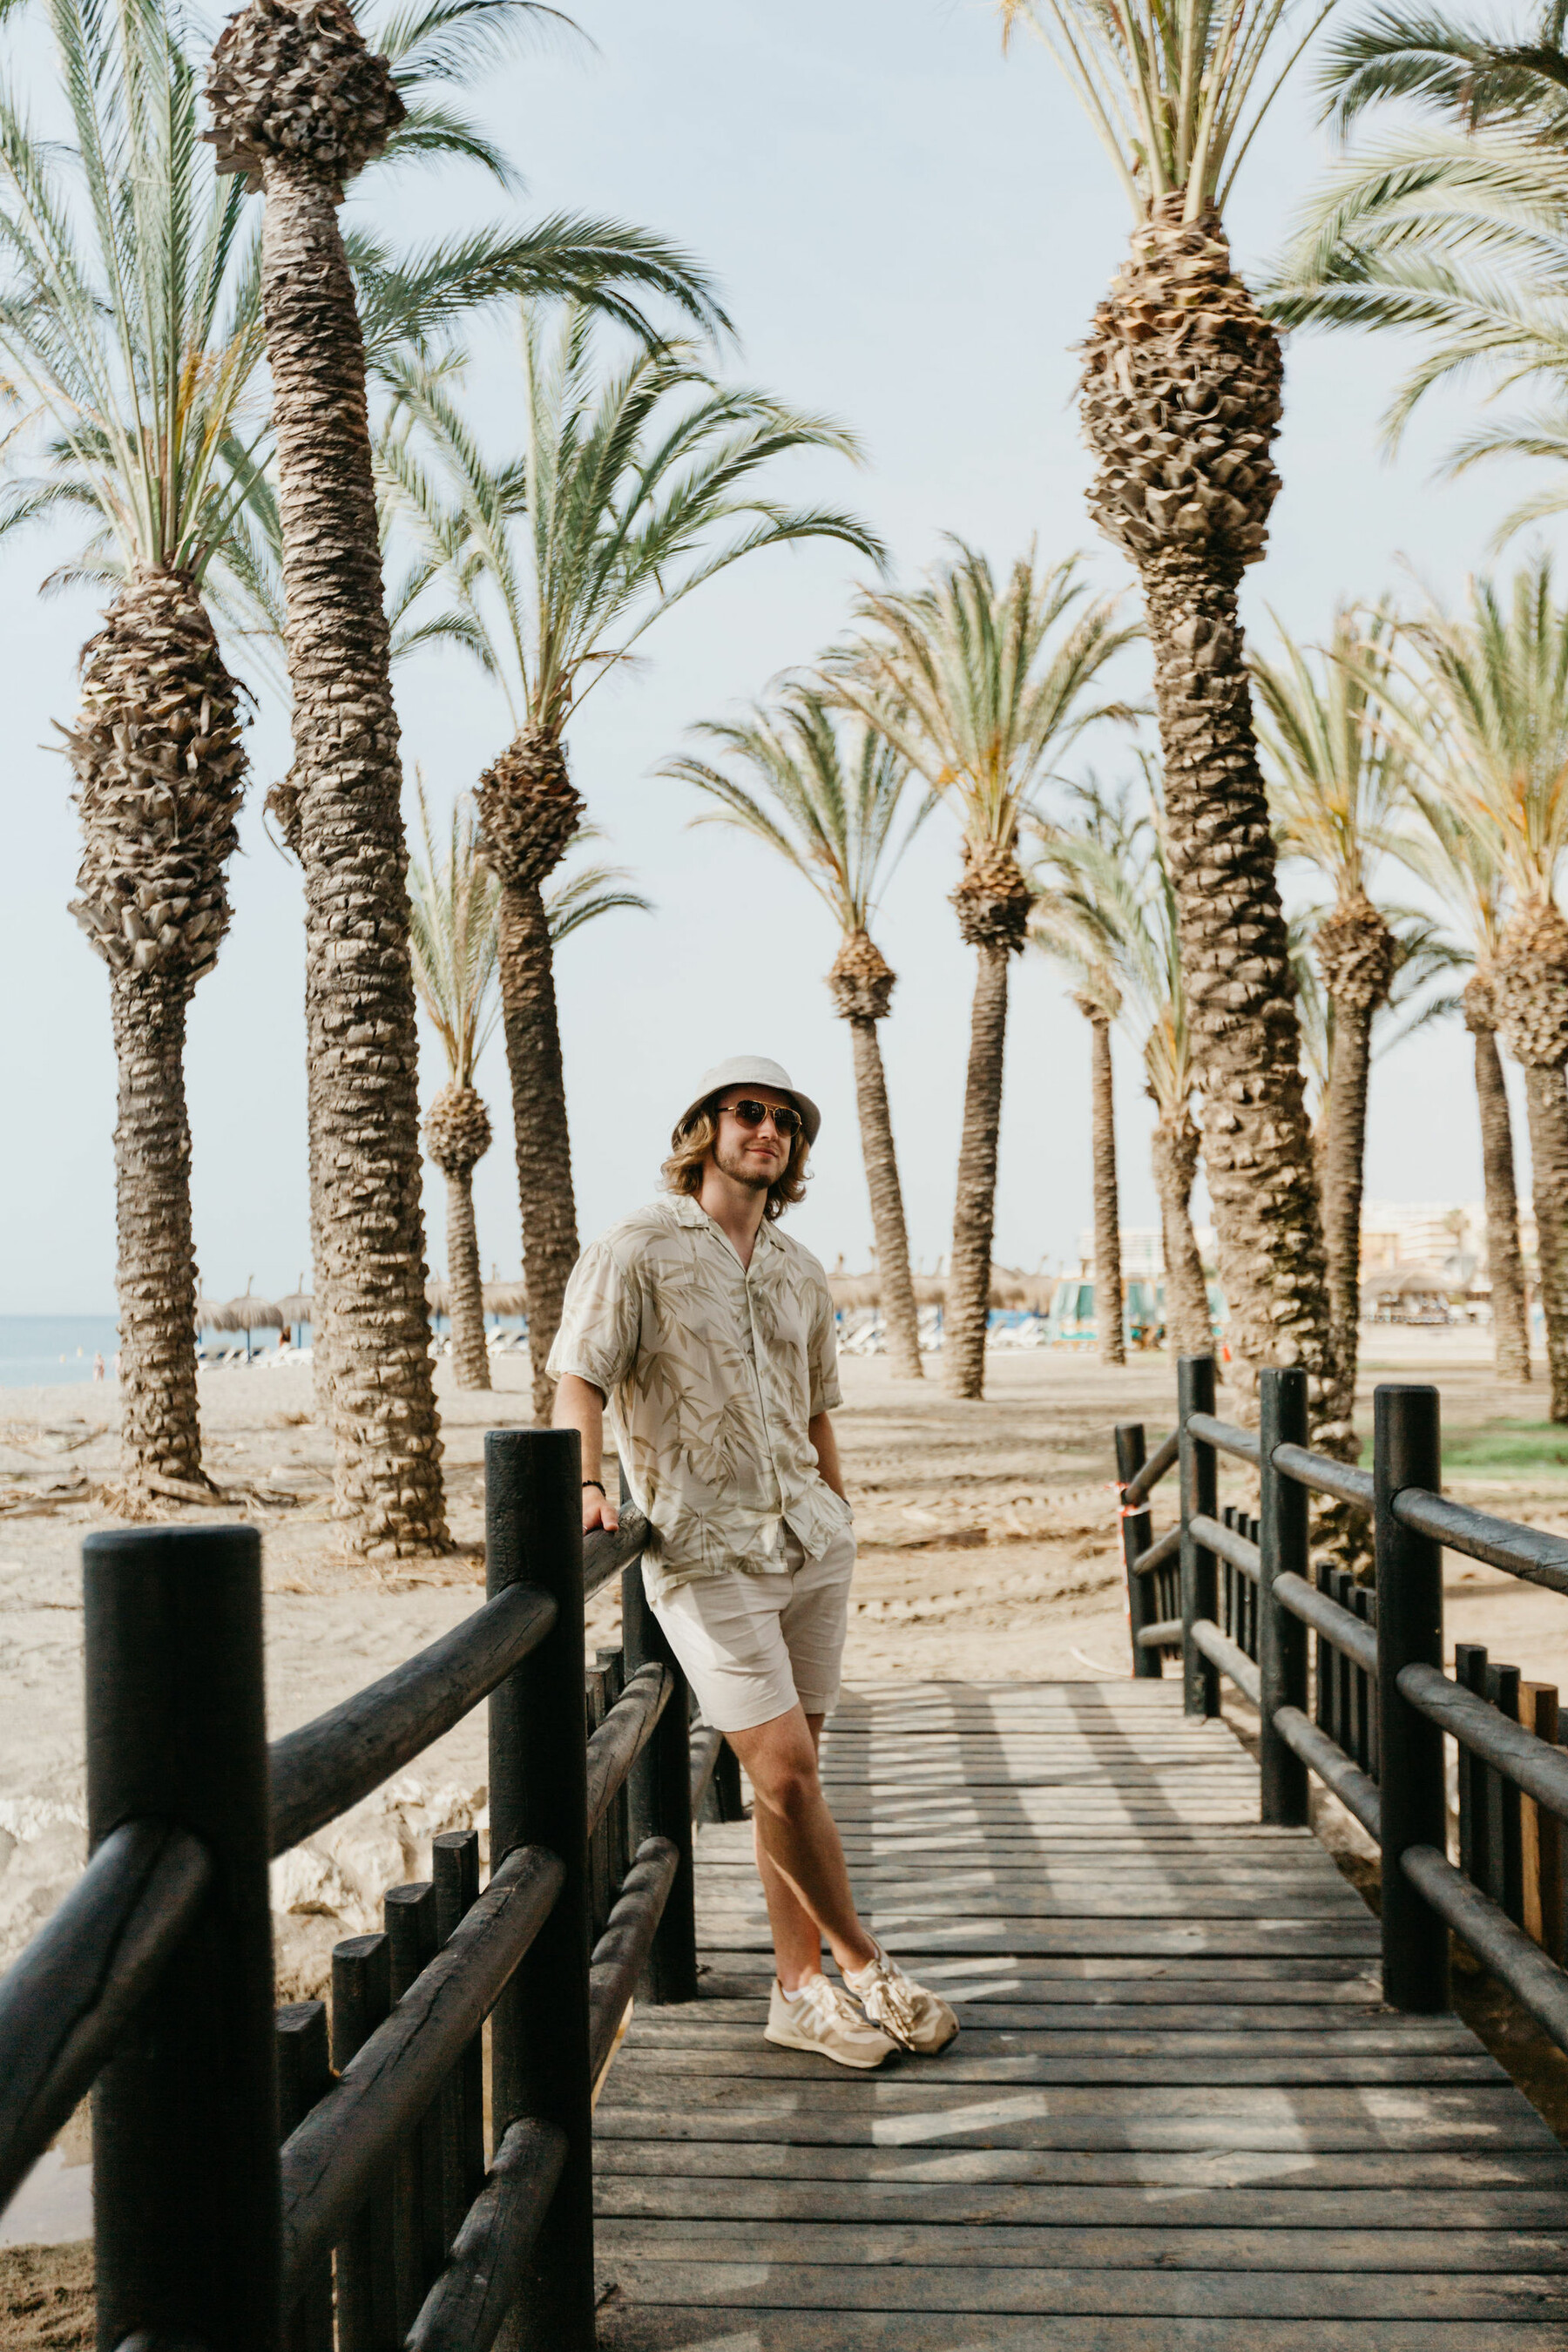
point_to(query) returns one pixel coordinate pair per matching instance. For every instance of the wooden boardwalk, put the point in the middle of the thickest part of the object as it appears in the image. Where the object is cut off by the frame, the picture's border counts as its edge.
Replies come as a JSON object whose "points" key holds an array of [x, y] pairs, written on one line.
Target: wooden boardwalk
{"points": [[1177, 2117]]}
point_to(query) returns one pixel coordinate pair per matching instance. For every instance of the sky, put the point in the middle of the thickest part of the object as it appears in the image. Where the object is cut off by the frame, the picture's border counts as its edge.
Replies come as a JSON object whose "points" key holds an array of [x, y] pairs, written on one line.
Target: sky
{"points": [[911, 231]]}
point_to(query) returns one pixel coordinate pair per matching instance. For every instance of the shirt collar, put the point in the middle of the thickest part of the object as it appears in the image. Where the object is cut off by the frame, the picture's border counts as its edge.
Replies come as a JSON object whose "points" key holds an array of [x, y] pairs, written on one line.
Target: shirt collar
{"points": [[688, 1210]]}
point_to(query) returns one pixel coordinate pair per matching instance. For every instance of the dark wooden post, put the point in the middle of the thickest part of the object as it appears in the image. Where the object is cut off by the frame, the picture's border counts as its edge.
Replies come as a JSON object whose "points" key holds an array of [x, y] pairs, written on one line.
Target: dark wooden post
{"points": [[659, 1785], [1407, 1452], [410, 1912], [538, 1796], [1475, 1857], [367, 2285], [1282, 1547], [305, 2077], [1503, 1822], [455, 1878], [185, 2137], [1137, 1535], [1194, 1394]]}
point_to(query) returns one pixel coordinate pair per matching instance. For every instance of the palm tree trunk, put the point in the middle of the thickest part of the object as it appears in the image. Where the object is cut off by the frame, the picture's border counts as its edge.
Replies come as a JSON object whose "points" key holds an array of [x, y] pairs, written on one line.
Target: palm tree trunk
{"points": [[470, 1356], [156, 1279], [1174, 1152], [900, 1321], [1342, 1174], [1181, 403], [1107, 1203], [160, 774], [538, 1122], [1504, 1262], [975, 1210], [1548, 1102], [371, 1270], [1258, 1147]]}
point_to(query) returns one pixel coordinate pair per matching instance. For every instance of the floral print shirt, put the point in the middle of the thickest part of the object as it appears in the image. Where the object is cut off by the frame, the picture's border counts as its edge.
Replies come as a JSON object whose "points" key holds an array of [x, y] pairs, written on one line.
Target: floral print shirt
{"points": [[712, 1372]]}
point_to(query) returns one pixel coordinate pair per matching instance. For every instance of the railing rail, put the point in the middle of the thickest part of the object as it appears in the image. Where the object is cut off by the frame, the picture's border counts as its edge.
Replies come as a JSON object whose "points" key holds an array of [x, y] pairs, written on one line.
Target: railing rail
{"points": [[234, 2169], [1384, 1707]]}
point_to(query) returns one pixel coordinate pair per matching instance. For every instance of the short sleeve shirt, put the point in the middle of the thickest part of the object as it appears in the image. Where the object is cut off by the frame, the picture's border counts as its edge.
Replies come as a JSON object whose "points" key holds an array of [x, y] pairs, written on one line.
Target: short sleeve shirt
{"points": [[712, 1371]]}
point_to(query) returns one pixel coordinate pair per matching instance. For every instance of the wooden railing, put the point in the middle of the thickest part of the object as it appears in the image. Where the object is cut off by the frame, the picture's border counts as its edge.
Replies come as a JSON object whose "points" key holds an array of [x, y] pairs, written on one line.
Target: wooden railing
{"points": [[303, 2179], [1381, 1704]]}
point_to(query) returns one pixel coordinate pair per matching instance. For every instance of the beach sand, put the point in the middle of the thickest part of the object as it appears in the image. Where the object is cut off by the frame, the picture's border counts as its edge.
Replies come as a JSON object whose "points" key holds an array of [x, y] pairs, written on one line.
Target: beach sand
{"points": [[989, 1551]]}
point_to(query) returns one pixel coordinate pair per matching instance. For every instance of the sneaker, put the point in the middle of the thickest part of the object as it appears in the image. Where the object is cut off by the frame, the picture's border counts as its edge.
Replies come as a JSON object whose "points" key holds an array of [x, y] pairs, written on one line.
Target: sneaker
{"points": [[819, 2019], [906, 2012]]}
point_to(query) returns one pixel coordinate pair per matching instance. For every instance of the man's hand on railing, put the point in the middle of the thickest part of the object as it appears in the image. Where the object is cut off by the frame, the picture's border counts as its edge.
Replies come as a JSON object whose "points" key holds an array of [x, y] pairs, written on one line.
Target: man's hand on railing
{"points": [[598, 1511]]}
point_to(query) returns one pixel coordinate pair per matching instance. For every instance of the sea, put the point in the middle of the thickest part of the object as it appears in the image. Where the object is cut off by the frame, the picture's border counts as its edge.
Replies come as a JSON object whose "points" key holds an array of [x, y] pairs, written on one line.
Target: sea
{"points": [[45, 1351]]}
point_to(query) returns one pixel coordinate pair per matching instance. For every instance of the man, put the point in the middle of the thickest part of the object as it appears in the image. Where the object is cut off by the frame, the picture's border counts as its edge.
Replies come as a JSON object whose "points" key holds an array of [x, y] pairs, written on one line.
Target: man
{"points": [[709, 1336]]}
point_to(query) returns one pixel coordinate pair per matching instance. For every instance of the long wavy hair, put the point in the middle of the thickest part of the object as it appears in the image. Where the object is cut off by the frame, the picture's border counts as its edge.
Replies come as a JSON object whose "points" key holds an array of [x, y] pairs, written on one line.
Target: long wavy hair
{"points": [[694, 1139]]}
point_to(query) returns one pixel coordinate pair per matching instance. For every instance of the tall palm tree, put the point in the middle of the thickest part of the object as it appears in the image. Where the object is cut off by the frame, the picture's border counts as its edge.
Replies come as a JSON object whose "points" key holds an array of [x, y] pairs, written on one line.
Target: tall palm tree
{"points": [[452, 938], [830, 812], [454, 906], [129, 348], [1068, 923], [634, 487], [1460, 860], [1335, 777], [300, 105], [1181, 401], [982, 685], [1484, 722], [1114, 878], [1451, 229]]}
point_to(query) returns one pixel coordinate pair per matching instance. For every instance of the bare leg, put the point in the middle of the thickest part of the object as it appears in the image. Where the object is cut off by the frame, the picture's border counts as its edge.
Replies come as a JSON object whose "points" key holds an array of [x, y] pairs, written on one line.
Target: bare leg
{"points": [[800, 1860]]}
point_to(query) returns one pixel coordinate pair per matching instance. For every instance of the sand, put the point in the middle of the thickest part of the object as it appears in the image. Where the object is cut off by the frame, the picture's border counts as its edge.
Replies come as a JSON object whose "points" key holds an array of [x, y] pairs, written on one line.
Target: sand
{"points": [[989, 1549]]}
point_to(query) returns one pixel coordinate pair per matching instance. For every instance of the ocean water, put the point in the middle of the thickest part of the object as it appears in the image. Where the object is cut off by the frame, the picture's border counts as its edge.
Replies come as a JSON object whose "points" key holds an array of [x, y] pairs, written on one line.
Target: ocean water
{"points": [[43, 1350]]}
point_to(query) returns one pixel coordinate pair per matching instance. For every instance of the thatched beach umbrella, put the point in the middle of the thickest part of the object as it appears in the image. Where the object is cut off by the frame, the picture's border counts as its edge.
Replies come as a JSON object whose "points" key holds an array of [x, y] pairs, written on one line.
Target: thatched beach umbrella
{"points": [[439, 1298], [298, 1308], [248, 1315], [505, 1298]]}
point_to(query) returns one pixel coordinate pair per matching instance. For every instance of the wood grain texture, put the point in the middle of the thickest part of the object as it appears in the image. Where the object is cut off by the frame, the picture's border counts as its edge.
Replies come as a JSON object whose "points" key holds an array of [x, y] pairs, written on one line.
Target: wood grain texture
{"points": [[1178, 2115]]}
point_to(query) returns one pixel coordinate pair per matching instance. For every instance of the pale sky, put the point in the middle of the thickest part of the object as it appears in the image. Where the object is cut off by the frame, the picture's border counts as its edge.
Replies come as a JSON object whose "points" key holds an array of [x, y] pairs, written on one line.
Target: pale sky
{"points": [[910, 232]]}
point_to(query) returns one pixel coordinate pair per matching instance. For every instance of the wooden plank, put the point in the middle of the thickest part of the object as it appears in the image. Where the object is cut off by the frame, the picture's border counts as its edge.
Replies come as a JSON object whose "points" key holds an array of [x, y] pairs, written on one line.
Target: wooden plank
{"points": [[1404, 2172], [1204, 2033], [933, 2243], [1511, 2211], [1310, 2067], [1354, 1978], [1257, 2295], [1102, 2012], [625, 2326]]}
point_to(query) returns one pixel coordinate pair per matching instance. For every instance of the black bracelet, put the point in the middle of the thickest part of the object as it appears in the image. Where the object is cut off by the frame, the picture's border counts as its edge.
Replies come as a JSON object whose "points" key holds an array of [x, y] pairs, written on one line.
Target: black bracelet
{"points": [[595, 1481]]}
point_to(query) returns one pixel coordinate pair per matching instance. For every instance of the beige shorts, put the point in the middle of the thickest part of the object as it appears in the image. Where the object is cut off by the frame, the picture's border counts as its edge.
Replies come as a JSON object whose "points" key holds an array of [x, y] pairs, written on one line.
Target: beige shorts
{"points": [[751, 1645]]}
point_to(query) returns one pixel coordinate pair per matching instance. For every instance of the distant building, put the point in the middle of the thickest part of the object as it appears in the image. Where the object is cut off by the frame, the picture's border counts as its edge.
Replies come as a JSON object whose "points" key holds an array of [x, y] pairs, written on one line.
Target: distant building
{"points": [[1143, 1251], [1442, 1237]]}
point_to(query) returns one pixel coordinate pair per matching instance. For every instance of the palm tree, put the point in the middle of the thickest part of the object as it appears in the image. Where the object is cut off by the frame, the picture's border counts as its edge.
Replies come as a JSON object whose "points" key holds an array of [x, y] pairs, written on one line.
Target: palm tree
{"points": [[452, 938], [1181, 398], [1335, 776], [1459, 861], [1068, 923], [981, 687], [300, 105], [1483, 718], [1450, 231], [454, 904], [633, 489], [830, 812], [1114, 879], [126, 336]]}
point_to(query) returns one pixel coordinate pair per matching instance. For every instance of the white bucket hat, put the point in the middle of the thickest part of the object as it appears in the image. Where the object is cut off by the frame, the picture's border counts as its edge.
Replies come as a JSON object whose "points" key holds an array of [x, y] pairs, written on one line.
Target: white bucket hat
{"points": [[752, 1070]]}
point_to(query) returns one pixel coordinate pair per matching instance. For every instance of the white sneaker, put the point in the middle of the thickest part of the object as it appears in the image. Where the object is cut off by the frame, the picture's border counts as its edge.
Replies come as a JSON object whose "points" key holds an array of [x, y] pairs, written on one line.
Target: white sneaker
{"points": [[820, 2019], [905, 2011]]}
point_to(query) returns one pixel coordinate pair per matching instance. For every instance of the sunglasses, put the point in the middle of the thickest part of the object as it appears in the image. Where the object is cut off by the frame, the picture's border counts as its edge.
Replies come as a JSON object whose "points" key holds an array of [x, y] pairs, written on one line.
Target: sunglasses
{"points": [[786, 1122]]}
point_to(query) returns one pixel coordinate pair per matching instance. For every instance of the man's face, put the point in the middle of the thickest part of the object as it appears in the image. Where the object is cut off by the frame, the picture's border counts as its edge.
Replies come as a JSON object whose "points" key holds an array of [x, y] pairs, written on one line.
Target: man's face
{"points": [[756, 1156]]}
